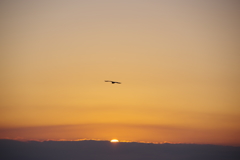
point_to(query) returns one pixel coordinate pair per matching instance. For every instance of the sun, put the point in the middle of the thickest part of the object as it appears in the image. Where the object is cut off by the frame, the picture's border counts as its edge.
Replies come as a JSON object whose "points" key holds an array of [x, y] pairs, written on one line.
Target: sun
{"points": [[114, 140]]}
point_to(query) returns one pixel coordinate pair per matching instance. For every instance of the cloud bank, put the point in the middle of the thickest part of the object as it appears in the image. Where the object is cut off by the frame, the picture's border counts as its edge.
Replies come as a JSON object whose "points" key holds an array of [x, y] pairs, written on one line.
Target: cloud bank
{"points": [[104, 150]]}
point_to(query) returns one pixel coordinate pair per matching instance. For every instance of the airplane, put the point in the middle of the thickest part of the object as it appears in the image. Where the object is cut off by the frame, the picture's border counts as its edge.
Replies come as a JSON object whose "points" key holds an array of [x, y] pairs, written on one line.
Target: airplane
{"points": [[113, 82]]}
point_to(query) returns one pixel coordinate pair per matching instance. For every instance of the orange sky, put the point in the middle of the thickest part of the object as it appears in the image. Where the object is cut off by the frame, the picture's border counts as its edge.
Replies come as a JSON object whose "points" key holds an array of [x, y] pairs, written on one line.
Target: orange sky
{"points": [[178, 62]]}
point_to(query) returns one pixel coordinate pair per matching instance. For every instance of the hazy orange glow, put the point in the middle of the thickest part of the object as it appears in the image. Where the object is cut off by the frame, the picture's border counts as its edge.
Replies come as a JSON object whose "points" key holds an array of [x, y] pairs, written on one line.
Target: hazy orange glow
{"points": [[178, 62]]}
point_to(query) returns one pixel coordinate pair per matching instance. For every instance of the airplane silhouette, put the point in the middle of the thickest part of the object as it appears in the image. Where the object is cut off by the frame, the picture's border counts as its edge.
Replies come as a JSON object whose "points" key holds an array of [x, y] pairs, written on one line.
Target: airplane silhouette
{"points": [[113, 82]]}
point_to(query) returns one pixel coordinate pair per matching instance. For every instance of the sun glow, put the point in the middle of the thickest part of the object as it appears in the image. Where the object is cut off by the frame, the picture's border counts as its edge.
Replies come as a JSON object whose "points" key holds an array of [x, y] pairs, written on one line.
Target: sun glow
{"points": [[114, 140]]}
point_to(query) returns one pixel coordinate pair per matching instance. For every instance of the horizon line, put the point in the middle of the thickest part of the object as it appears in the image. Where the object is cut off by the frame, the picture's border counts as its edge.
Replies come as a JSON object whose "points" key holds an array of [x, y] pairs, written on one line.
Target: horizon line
{"points": [[104, 140]]}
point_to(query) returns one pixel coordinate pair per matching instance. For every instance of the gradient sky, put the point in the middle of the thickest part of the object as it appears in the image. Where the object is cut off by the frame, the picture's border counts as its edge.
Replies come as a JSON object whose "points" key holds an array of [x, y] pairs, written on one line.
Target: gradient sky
{"points": [[178, 61]]}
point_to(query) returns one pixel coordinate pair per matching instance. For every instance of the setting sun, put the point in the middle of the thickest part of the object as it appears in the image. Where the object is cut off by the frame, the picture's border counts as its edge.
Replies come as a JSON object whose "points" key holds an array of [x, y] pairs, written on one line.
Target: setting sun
{"points": [[114, 140]]}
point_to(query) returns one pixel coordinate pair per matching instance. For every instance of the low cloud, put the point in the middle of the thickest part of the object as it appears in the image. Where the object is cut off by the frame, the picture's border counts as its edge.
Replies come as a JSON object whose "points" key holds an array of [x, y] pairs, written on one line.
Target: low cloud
{"points": [[105, 150]]}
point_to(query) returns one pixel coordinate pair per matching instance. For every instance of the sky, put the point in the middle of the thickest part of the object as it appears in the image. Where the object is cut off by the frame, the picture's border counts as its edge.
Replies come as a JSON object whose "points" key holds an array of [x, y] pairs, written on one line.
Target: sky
{"points": [[178, 61]]}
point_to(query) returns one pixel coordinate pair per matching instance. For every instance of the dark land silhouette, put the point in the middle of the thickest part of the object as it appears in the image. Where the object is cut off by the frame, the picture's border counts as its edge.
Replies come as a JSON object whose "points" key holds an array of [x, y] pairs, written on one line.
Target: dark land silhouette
{"points": [[104, 150]]}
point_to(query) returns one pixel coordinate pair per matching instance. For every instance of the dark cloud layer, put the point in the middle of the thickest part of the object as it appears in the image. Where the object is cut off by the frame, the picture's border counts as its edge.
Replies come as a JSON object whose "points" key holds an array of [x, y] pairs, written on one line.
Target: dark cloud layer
{"points": [[103, 150]]}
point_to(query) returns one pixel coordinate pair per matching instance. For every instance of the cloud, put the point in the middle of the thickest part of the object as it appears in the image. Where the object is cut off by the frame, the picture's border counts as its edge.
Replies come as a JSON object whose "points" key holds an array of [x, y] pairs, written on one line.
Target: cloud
{"points": [[104, 150], [123, 132]]}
